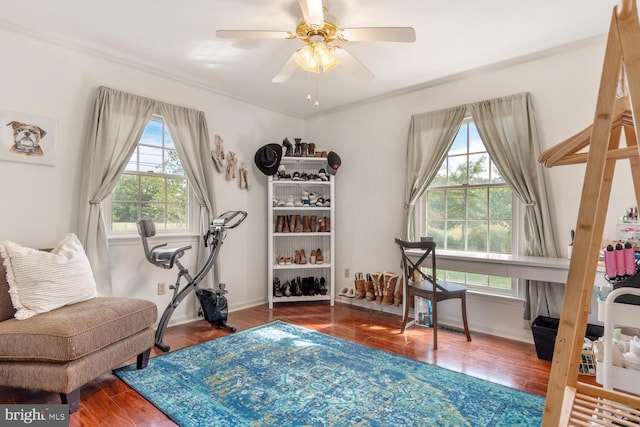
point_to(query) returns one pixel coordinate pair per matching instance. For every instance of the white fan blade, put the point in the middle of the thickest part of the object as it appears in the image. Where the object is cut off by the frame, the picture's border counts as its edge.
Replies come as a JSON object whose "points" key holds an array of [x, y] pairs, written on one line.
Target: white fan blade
{"points": [[287, 71], [380, 34], [312, 12], [352, 65], [253, 34]]}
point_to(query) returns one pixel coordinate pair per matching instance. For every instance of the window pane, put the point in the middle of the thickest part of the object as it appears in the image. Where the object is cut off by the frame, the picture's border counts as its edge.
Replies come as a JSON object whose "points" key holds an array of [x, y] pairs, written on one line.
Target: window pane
{"points": [[455, 204], [168, 141], [477, 203], [500, 282], [478, 169], [152, 188], [150, 159], [496, 176], [455, 235], [457, 170], [477, 279], [436, 230], [500, 203], [132, 164], [172, 164], [477, 236], [441, 177], [154, 211], [500, 237], [455, 276], [176, 216], [435, 205], [127, 188], [176, 190], [152, 134], [459, 145], [125, 216], [475, 143]]}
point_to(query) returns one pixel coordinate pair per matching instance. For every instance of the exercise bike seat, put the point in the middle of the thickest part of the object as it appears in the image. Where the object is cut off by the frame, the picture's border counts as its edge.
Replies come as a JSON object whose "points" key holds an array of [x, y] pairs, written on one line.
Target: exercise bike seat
{"points": [[158, 255]]}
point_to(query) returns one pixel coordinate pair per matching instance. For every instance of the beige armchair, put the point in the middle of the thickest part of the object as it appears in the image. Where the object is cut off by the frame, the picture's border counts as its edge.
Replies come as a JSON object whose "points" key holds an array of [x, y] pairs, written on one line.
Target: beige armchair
{"points": [[63, 349]]}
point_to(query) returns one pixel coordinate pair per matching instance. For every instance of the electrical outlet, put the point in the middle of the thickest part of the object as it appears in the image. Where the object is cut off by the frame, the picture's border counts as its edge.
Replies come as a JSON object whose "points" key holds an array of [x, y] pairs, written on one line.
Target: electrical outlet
{"points": [[347, 273], [162, 288]]}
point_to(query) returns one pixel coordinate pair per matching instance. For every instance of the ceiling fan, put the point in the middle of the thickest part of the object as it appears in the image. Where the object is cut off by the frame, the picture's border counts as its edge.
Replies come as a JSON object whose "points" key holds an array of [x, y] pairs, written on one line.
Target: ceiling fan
{"points": [[318, 30]]}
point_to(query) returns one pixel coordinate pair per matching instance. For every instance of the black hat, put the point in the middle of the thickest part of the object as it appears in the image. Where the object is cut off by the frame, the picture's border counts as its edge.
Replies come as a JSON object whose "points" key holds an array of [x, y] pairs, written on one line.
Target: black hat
{"points": [[268, 158], [333, 162]]}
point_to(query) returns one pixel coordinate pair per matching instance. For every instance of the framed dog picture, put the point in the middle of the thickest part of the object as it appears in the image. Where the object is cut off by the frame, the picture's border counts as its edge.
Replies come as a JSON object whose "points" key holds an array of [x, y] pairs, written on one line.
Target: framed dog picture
{"points": [[28, 138]]}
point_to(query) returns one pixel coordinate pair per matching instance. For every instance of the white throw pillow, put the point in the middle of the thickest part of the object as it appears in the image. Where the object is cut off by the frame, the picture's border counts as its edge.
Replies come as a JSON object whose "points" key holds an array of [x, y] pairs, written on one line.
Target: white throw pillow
{"points": [[43, 281]]}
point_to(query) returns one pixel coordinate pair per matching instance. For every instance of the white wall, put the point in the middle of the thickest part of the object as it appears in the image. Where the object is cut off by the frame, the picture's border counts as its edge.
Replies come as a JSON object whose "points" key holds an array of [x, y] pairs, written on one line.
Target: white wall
{"points": [[40, 203], [371, 140]]}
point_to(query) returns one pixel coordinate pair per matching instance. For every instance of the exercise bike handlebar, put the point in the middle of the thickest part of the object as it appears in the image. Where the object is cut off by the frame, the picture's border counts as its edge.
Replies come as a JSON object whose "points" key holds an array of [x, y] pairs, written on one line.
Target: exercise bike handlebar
{"points": [[229, 219]]}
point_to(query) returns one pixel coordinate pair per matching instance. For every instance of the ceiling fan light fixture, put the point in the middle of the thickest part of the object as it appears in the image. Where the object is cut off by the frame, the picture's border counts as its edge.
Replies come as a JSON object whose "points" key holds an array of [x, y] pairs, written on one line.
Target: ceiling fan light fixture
{"points": [[316, 57]]}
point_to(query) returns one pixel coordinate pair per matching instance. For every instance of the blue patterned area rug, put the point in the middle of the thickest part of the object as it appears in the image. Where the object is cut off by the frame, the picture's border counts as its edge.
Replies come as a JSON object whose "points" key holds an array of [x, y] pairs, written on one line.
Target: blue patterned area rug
{"points": [[280, 374]]}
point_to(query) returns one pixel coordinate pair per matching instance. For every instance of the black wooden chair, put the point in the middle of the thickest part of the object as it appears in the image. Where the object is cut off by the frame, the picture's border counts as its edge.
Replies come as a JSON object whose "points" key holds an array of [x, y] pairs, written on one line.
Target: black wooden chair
{"points": [[425, 285]]}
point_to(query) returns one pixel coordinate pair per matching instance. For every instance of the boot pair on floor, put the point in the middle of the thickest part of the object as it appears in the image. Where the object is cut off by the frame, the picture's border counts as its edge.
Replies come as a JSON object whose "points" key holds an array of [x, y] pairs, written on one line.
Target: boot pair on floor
{"points": [[380, 287]]}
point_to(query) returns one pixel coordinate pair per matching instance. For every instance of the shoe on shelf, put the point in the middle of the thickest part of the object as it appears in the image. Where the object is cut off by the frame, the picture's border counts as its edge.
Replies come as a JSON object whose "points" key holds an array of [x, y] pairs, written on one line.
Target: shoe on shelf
{"points": [[313, 198], [327, 203], [277, 288], [312, 257], [320, 202], [287, 289], [288, 147], [279, 224], [319, 257], [289, 202], [303, 257], [305, 198]]}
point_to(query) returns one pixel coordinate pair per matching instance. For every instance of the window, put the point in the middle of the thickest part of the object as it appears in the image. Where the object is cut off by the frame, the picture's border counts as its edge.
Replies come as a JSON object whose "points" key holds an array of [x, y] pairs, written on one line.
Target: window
{"points": [[469, 207], [153, 185]]}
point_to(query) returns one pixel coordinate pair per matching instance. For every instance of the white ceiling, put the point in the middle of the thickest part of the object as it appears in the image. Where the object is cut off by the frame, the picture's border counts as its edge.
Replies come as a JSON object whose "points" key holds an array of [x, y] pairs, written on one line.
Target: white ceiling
{"points": [[177, 38]]}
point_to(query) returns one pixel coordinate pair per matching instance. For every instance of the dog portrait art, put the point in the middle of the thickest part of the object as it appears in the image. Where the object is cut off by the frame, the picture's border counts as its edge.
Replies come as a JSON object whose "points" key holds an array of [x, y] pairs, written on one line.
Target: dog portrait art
{"points": [[26, 138]]}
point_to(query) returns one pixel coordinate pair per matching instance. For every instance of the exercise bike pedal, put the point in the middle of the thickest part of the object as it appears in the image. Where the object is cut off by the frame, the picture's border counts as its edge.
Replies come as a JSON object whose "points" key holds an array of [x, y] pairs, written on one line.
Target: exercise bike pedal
{"points": [[162, 346]]}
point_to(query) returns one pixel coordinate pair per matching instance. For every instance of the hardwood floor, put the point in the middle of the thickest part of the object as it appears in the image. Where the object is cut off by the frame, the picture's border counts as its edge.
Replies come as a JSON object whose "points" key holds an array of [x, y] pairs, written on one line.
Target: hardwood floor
{"points": [[109, 402]]}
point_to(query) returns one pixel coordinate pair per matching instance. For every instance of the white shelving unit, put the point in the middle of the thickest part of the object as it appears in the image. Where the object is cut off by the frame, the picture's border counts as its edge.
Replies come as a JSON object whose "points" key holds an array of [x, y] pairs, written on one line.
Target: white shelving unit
{"points": [[614, 314], [285, 244]]}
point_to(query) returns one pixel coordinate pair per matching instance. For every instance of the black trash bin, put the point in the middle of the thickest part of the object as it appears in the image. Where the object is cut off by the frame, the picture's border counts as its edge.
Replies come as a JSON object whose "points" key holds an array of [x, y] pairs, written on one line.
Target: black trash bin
{"points": [[545, 330]]}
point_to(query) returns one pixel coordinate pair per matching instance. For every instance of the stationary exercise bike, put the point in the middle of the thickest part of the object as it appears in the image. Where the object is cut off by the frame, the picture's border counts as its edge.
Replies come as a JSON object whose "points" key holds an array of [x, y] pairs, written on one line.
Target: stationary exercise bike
{"points": [[213, 302]]}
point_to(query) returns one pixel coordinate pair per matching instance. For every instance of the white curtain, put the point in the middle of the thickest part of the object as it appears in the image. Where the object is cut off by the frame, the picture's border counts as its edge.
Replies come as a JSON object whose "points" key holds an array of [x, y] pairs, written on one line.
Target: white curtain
{"points": [[115, 127], [117, 124], [508, 129], [188, 128], [430, 136]]}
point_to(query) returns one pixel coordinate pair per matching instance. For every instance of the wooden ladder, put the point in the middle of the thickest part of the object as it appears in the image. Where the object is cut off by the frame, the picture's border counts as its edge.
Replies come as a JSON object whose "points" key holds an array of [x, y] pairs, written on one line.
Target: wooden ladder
{"points": [[570, 402]]}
